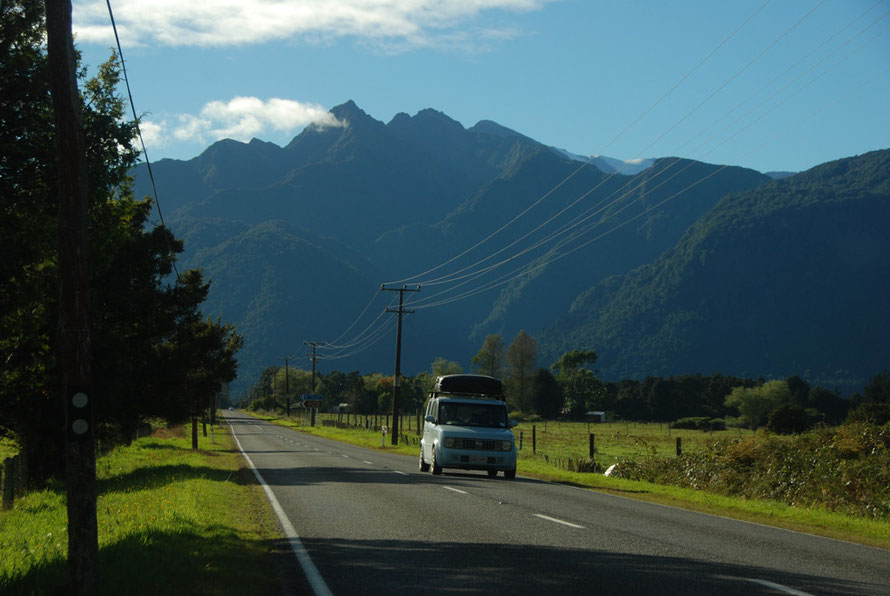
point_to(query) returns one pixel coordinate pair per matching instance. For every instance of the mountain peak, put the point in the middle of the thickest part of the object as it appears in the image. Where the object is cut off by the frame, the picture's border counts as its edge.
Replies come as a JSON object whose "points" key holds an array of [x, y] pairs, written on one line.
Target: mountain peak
{"points": [[349, 111], [490, 127]]}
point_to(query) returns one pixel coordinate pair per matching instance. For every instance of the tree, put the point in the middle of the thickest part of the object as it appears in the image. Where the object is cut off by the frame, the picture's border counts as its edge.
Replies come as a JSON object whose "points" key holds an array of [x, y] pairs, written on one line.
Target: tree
{"points": [[546, 394], [878, 388], [579, 384], [522, 356], [491, 358], [754, 404], [788, 419], [139, 315], [441, 366]]}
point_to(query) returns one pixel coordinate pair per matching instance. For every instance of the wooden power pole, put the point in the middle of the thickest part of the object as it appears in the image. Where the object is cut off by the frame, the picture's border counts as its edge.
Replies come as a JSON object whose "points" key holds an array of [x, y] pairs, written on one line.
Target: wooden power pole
{"points": [[74, 326], [396, 380]]}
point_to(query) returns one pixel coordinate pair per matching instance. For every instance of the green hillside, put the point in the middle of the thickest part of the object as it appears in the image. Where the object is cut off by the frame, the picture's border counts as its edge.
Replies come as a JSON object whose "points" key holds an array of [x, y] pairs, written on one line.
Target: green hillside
{"points": [[789, 278]]}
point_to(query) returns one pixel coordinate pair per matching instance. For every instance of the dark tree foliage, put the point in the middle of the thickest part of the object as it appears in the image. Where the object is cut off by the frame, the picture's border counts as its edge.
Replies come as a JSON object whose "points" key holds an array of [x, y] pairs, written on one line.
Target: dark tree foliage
{"points": [[878, 388], [788, 419], [153, 354], [547, 394]]}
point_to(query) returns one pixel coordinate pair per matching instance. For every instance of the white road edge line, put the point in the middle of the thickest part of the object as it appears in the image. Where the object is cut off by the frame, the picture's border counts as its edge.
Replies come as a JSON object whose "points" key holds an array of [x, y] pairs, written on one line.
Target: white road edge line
{"points": [[779, 587], [457, 490], [400, 472], [558, 521], [312, 575]]}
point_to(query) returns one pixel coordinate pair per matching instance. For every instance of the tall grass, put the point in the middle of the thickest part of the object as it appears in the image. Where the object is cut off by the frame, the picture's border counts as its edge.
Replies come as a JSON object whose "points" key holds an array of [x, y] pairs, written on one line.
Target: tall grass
{"points": [[844, 469], [170, 520]]}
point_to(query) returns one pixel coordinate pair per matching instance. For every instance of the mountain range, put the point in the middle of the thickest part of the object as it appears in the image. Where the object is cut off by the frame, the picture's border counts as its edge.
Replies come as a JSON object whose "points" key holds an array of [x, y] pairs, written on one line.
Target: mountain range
{"points": [[676, 266]]}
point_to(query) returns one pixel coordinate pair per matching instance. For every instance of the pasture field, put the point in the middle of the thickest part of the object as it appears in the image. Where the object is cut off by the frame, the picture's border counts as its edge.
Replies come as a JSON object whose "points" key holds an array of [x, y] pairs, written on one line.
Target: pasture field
{"points": [[557, 442], [196, 517]]}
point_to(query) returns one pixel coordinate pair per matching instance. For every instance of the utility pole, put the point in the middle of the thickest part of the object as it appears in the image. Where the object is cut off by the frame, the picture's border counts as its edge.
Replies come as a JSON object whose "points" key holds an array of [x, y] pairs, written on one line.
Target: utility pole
{"points": [[74, 324], [286, 385], [314, 344], [396, 380]]}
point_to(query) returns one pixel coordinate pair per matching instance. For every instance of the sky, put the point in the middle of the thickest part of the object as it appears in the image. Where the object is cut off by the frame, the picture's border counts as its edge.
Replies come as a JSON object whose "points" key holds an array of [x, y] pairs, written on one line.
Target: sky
{"points": [[779, 85]]}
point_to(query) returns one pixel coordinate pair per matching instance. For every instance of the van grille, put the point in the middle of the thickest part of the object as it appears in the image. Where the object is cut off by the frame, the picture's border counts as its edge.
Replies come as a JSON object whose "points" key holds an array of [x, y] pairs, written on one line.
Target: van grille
{"points": [[481, 444]]}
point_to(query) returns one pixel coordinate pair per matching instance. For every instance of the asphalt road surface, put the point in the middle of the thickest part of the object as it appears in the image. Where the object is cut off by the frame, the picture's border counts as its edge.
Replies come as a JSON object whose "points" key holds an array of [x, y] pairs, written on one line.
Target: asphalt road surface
{"points": [[368, 522]]}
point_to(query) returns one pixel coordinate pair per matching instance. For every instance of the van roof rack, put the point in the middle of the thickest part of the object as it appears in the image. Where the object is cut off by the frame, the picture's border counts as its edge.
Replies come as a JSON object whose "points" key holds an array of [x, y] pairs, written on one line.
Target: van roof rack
{"points": [[478, 386]]}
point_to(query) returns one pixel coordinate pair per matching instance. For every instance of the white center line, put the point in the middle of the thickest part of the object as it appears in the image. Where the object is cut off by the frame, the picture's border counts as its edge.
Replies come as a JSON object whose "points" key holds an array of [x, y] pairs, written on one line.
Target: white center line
{"points": [[400, 472], [779, 587], [370, 463], [559, 521], [457, 490], [344, 456]]}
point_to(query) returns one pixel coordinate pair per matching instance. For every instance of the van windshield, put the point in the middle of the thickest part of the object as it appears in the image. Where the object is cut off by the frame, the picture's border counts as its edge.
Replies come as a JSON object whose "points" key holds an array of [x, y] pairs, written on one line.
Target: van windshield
{"points": [[464, 414]]}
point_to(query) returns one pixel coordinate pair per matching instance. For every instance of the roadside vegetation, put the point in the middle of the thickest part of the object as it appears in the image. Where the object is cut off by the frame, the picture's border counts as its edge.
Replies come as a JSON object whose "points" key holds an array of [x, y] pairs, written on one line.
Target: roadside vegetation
{"points": [[169, 517]]}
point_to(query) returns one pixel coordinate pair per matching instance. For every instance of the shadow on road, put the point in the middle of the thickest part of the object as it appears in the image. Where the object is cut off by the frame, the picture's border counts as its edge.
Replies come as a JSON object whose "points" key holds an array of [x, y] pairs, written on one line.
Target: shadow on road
{"points": [[393, 566]]}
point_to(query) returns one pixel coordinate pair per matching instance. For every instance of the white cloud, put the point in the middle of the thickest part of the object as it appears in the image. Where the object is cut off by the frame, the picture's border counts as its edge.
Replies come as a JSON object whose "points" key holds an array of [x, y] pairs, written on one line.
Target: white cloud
{"points": [[240, 118], [388, 23]]}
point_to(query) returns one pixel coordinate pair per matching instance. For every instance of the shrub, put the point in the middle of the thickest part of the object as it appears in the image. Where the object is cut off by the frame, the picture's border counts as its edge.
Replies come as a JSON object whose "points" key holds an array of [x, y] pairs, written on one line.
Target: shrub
{"points": [[788, 419], [845, 469], [700, 423], [871, 412]]}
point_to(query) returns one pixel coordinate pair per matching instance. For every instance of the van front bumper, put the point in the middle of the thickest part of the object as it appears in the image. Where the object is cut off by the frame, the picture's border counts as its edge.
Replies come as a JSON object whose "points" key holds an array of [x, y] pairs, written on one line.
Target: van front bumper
{"points": [[475, 460]]}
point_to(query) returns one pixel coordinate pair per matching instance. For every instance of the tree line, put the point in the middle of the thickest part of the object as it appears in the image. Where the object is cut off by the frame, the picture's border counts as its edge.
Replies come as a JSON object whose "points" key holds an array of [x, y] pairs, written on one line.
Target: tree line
{"points": [[570, 388], [154, 354]]}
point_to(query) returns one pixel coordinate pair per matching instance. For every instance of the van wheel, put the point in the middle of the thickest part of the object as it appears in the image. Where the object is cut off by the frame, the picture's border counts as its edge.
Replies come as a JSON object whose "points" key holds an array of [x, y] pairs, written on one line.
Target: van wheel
{"points": [[510, 474], [492, 473], [424, 467], [436, 470]]}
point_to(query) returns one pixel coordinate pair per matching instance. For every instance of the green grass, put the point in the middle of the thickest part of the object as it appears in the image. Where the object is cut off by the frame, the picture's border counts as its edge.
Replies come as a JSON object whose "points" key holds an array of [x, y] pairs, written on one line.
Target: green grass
{"points": [[170, 520], [8, 448], [559, 441], [614, 440]]}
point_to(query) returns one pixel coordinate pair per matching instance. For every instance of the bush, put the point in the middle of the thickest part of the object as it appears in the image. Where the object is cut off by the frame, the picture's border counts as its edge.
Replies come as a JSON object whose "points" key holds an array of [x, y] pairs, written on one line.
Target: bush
{"points": [[871, 412], [845, 469], [788, 419], [700, 423]]}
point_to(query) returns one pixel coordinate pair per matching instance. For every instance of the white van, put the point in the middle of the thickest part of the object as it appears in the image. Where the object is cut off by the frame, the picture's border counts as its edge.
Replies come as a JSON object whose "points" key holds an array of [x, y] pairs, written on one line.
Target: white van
{"points": [[465, 426]]}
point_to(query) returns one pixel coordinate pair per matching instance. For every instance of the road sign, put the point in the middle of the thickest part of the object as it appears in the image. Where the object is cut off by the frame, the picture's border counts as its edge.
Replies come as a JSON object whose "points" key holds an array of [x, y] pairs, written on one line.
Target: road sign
{"points": [[310, 397], [311, 403]]}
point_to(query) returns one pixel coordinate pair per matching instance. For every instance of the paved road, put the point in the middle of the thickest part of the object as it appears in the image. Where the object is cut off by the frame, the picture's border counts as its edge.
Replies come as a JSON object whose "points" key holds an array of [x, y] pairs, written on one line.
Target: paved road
{"points": [[372, 523]]}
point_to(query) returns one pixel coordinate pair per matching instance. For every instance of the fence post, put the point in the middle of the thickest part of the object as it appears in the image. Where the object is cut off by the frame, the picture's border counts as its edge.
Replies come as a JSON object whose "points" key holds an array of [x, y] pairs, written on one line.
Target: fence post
{"points": [[8, 483], [520, 440], [679, 446], [534, 439], [591, 445]]}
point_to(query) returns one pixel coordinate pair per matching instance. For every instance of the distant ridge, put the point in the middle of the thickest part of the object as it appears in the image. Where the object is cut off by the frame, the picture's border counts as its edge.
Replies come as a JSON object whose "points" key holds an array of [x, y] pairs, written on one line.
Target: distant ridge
{"points": [[297, 238]]}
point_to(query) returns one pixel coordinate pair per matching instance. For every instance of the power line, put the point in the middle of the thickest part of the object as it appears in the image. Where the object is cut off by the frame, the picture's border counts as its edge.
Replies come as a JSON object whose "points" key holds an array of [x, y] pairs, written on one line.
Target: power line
{"points": [[590, 158], [154, 189]]}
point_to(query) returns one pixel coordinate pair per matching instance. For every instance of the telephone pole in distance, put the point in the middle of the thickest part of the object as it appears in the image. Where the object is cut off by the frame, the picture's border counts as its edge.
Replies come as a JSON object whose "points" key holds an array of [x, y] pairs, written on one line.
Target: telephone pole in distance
{"points": [[286, 385], [396, 382], [314, 344]]}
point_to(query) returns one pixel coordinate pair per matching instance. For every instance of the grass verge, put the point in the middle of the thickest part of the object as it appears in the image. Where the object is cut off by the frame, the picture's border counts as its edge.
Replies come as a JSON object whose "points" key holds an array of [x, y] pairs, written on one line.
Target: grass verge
{"points": [[170, 519], [820, 522]]}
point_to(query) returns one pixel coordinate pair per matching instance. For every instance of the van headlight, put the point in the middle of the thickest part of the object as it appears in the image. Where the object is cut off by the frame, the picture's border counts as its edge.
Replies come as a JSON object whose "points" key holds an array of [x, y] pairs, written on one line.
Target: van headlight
{"points": [[450, 442], [506, 445]]}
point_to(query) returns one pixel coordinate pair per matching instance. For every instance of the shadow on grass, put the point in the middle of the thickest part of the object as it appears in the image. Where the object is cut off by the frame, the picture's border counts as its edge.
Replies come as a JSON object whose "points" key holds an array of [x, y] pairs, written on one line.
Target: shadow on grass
{"points": [[213, 562], [150, 478]]}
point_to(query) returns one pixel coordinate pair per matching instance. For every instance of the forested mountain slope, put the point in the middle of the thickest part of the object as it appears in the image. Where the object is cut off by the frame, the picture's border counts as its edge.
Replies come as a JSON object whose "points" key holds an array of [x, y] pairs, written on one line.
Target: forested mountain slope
{"points": [[792, 277]]}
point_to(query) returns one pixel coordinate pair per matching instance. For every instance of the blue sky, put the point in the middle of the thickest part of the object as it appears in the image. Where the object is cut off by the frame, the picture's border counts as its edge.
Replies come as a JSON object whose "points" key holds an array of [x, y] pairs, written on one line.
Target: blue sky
{"points": [[771, 85]]}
